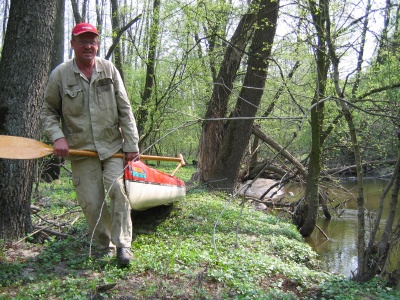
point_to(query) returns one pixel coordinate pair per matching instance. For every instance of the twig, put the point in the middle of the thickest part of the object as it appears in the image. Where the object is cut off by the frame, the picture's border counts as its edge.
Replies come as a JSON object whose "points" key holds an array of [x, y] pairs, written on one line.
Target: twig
{"points": [[76, 219], [31, 234], [49, 231], [326, 236]]}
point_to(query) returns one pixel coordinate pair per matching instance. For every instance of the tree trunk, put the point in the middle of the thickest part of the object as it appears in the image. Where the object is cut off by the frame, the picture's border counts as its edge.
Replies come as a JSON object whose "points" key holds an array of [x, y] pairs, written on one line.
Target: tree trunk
{"points": [[148, 90], [51, 167], [212, 131], [24, 67], [77, 15], [116, 26], [377, 253], [57, 54], [306, 215], [362, 265], [100, 17], [361, 50], [236, 137], [383, 48]]}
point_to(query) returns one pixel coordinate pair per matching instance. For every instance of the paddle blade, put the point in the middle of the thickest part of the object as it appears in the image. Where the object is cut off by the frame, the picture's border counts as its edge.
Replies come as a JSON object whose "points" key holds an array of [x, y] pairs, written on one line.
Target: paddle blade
{"points": [[14, 147]]}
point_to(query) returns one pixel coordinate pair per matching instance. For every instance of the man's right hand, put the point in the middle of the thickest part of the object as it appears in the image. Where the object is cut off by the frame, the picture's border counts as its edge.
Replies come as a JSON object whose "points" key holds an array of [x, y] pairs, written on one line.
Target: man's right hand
{"points": [[61, 147]]}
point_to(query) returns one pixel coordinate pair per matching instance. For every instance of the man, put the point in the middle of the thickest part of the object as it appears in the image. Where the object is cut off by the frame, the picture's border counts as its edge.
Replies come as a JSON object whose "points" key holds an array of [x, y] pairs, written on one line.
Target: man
{"points": [[86, 107]]}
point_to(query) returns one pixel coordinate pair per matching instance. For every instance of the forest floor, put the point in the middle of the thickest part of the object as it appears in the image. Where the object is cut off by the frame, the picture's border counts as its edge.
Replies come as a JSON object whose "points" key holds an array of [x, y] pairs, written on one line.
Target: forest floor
{"points": [[207, 246]]}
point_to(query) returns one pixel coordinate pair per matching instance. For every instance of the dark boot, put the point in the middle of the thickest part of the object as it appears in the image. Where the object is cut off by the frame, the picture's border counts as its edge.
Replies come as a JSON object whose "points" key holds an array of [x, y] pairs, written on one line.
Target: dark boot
{"points": [[124, 256]]}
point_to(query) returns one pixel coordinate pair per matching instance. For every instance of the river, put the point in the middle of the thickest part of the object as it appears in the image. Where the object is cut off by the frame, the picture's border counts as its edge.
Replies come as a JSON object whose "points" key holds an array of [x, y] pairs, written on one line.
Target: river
{"points": [[339, 253]]}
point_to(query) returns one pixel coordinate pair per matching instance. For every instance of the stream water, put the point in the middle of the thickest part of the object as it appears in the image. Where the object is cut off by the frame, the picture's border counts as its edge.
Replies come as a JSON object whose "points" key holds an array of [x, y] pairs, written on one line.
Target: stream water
{"points": [[339, 253]]}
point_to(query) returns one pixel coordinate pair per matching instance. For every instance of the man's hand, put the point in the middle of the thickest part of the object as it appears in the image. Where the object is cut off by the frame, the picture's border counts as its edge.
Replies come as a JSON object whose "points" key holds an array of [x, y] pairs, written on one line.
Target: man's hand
{"points": [[132, 156], [61, 147]]}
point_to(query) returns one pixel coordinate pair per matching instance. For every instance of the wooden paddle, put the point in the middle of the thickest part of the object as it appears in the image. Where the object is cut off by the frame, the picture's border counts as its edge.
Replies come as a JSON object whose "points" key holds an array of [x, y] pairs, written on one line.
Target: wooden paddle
{"points": [[14, 147]]}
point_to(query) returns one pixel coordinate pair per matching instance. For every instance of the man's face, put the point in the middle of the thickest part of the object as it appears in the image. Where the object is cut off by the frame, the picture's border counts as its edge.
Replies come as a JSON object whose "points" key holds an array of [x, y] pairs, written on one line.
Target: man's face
{"points": [[85, 46]]}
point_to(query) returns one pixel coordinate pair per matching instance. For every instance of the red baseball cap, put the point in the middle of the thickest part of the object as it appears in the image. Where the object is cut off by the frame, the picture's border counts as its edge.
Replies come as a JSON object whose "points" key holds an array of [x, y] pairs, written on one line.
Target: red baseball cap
{"points": [[84, 27]]}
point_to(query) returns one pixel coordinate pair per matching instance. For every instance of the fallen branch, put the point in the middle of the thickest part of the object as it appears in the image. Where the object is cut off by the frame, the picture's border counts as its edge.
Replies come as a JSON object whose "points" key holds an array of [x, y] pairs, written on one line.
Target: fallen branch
{"points": [[342, 169], [282, 151], [31, 234], [52, 232], [320, 229]]}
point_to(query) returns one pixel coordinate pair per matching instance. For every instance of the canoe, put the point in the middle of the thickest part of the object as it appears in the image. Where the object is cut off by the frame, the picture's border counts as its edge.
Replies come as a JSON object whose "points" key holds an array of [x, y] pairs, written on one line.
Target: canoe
{"points": [[147, 187]]}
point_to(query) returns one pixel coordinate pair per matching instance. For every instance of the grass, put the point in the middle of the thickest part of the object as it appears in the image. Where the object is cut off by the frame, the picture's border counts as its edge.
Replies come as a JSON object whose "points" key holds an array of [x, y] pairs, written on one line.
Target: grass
{"points": [[208, 246]]}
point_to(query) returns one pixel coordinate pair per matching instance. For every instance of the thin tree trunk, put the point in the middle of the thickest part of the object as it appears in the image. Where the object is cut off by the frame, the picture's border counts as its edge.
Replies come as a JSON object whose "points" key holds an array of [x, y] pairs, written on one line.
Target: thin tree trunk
{"points": [[148, 90], [360, 58], [75, 9], [116, 26], [51, 168], [383, 47], [356, 149], [100, 17], [376, 257], [306, 216]]}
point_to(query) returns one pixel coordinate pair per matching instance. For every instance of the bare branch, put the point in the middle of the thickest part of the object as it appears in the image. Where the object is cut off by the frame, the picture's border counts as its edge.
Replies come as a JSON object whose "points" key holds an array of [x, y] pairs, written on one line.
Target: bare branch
{"points": [[119, 34]]}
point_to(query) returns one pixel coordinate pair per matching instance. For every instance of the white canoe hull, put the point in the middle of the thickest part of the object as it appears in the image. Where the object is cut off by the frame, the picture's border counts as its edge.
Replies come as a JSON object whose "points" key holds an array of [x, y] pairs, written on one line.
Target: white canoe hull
{"points": [[147, 195], [147, 187]]}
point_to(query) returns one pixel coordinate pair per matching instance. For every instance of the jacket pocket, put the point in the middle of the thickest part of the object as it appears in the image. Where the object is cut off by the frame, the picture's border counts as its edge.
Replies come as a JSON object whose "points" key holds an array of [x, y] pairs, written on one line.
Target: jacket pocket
{"points": [[105, 94], [112, 135], [72, 103]]}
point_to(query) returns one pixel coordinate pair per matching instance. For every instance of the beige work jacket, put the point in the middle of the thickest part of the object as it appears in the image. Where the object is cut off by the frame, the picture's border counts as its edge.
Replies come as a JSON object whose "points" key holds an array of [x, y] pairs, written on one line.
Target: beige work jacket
{"points": [[94, 115]]}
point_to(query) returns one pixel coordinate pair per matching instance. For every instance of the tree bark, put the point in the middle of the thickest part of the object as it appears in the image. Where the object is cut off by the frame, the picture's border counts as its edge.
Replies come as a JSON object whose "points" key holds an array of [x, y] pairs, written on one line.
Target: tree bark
{"points": [[236, 137], [51, 167], [115, 22], [148, 90], [24, 67], [77, 15], [212, 130], [360, 58], [306, 216], [383, 47], [100, 16]]}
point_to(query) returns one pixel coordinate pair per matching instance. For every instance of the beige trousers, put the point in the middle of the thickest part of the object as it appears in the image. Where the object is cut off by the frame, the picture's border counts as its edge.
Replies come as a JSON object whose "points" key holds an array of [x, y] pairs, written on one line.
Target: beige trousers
{"points": [[92, 178]]}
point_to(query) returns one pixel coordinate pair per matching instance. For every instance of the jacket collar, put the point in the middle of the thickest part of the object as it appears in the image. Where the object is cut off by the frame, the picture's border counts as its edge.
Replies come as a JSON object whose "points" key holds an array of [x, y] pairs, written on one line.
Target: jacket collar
{"points": [[72, 80]]}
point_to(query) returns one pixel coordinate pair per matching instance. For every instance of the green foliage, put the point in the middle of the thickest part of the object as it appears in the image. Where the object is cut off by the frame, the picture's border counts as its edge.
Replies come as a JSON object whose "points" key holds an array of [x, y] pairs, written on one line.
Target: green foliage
{"points": [[207, 246], [342, 289]]}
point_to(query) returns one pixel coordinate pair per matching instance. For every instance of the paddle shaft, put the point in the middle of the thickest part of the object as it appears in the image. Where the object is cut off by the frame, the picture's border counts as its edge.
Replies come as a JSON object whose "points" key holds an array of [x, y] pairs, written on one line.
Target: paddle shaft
{"points": [[121, 155], [14, 147]]}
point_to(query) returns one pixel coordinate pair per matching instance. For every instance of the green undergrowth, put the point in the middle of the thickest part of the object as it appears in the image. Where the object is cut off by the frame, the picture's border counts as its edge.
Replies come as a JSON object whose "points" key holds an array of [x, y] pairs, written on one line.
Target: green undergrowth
{"points": [[207, 246]]}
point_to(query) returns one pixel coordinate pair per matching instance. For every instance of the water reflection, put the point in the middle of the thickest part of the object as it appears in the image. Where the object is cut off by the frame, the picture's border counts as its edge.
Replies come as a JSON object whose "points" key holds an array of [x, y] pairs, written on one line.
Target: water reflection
{"points": [[339, 254]]}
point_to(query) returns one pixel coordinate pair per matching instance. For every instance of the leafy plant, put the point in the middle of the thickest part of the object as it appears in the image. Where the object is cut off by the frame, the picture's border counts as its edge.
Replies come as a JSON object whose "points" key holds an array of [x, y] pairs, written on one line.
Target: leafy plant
{"points": [[206, 246]]}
